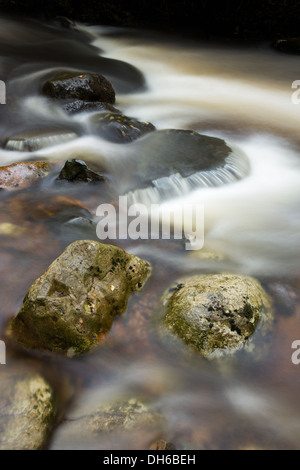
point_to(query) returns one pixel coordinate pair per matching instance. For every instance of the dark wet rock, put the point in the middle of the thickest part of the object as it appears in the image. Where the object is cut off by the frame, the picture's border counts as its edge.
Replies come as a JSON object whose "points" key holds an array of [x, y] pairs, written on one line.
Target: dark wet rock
{"points": [[64, 22], [80, 106], [80, 86], [81, 228], [63, 49], [22, 175], [217, 314], [290, 45], [97, 424], [27, 410], [119, 128], [78, 171], [74, 302], [169, 163], [31, 141], [179, 151]]}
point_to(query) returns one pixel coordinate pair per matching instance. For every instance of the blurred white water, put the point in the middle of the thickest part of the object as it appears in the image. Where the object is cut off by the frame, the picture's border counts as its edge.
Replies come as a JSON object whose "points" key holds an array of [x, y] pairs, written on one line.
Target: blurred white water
{"points": [[254, 222], [241, 95]]}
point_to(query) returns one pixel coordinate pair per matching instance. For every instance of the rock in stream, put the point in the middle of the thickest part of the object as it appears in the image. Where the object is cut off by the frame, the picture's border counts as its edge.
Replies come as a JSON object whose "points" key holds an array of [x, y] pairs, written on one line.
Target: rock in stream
{"points": [[81, 86], [23, 174], [216, 315], [27, 409], [77, 170], [70, 307]]}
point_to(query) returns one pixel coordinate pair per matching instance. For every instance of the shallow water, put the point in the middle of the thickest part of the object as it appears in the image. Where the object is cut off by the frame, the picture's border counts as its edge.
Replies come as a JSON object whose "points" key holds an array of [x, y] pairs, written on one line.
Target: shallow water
{"points": [[239, 93]]}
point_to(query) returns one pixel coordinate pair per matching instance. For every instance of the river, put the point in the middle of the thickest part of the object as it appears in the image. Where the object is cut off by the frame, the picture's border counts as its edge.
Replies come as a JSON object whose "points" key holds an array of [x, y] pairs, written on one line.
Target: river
{"points": [[238, 92]]}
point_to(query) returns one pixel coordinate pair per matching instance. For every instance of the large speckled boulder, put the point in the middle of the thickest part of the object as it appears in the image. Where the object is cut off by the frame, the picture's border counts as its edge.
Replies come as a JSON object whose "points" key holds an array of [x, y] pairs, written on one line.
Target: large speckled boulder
{"points": [[217, 314], [27, 409], [74, 302], [81, 86]]}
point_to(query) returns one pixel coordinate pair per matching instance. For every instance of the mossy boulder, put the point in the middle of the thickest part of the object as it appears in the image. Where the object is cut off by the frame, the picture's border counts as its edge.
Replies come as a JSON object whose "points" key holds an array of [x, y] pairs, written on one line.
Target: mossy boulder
{"points": [[77, 170], [27, 410], [80, 86], [216, 315], [118, 127], [69, 308]]}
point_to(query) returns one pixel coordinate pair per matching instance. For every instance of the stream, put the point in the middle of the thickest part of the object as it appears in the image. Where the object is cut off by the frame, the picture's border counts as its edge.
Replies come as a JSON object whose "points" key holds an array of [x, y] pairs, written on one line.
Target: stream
{"points": [[237, 92]]}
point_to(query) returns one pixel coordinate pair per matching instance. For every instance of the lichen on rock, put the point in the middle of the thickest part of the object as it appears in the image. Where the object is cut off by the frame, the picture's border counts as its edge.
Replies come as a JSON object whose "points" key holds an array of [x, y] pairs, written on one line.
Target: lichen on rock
{"points": [[216, 315], [27, 411], [74, 302], [129, 421]]}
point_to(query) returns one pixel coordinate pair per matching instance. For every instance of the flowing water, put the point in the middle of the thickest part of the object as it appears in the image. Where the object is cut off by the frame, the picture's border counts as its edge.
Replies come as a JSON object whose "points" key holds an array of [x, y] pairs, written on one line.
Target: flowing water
{"points": [[239, 93]]}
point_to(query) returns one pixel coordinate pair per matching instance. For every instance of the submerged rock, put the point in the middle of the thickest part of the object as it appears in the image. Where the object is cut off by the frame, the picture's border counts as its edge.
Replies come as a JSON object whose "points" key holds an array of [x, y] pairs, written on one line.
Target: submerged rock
{"points": [[74, 302], [171, 151], [172, 162], [79, 106], [77, 170], [119, 128], [81, 86], [96, 424], [21, 175], [81, 228], [31, 141], [290, 45], [27, 409], [217, 314]]}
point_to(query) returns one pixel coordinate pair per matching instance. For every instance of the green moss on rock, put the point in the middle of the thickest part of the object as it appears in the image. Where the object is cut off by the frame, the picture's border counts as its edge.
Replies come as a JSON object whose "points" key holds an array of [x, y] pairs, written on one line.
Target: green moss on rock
{"points": [[28, 409], [77, 298], [98, 422], [217, 314]]}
